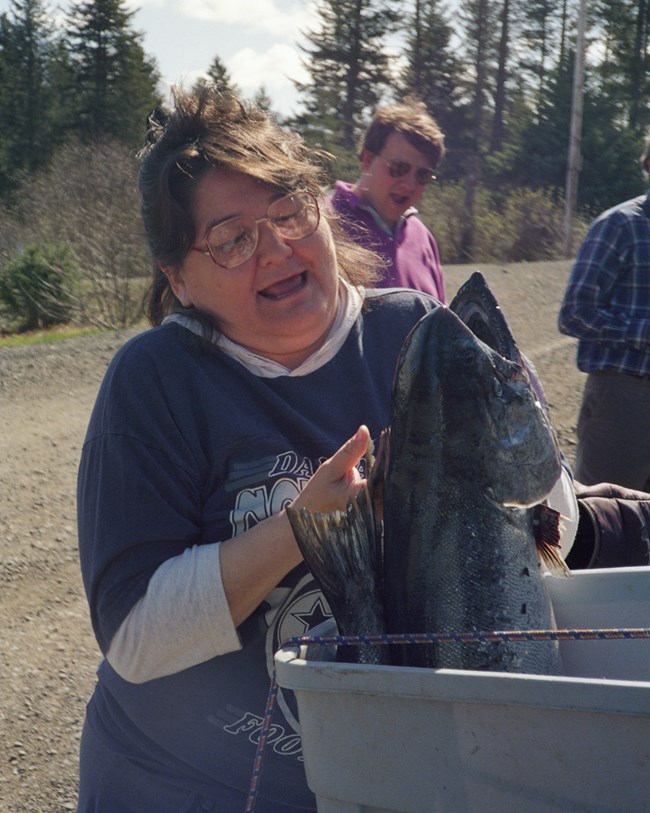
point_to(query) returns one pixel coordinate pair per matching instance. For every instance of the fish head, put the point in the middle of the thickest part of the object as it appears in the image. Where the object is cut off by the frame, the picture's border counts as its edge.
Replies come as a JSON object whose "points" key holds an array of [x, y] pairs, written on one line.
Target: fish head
{"points": [[475, 410], [477, 306]]}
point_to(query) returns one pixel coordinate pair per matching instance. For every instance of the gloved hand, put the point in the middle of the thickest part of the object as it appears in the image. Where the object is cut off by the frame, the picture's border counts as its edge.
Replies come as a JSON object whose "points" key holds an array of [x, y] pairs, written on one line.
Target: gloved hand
{"points": [[613, 527]]}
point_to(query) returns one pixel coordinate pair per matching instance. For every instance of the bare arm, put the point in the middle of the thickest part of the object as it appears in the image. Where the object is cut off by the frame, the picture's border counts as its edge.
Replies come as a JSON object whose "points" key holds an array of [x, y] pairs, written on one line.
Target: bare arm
{"points": [[253, 563]]}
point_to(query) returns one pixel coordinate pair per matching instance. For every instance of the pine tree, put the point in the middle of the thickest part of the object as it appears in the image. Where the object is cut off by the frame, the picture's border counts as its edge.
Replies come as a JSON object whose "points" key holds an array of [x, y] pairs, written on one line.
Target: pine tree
{"points": [[540, 40], [115, 80], [639, 84], [29, 128], [348, 65], [6, 182], [480, 28], [218, 75], [432, 71], [624, 71], [262, 100], [498, 132]]}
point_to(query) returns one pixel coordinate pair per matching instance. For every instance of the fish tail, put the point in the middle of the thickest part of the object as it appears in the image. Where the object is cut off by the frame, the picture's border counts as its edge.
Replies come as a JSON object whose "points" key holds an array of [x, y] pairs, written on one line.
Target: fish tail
{"points": [[342, 553]]}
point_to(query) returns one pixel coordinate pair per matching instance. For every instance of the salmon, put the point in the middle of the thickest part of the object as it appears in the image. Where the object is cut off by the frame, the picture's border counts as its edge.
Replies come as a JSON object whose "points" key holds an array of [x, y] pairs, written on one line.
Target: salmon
{"points": [[443, 539]]}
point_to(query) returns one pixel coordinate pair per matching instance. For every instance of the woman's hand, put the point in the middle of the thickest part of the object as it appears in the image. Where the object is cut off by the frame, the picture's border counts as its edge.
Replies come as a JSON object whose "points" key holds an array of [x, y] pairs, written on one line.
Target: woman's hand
{"points": [[254, 562], [337, 480]]}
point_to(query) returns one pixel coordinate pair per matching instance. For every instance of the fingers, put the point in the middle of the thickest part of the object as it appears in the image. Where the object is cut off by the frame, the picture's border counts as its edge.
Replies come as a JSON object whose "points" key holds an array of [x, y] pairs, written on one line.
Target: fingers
{"points": [[338, 478], [350, 453]]}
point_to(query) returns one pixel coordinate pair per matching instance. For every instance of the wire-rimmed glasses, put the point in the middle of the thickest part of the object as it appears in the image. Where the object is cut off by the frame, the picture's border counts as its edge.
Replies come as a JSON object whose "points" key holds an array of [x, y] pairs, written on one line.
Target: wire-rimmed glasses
{"points": [[234, 241]]}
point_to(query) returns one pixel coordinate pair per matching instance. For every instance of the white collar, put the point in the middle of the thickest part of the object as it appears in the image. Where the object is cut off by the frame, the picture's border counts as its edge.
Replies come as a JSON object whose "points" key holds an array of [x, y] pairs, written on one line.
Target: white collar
{"points": [[347, 311], [379, 220]]}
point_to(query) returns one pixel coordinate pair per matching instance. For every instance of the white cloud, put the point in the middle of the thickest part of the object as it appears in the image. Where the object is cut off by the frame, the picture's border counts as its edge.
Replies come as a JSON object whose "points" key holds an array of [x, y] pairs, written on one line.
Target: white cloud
{"points": [[259, 15], [274, 68], [250, 70]]}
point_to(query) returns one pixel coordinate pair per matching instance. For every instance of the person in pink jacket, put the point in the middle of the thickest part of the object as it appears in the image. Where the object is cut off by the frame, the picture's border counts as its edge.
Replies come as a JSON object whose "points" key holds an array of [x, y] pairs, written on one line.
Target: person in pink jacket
{"points": [[399, 154]]}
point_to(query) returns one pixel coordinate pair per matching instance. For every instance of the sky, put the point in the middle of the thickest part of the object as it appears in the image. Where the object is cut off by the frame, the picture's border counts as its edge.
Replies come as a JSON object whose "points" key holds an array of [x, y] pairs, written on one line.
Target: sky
{"points": [[255, 39]]}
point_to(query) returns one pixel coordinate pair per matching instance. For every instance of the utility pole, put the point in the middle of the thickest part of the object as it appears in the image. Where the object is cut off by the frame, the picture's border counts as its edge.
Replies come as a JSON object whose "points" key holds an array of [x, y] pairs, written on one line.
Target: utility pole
{"points": [[575, 137]]}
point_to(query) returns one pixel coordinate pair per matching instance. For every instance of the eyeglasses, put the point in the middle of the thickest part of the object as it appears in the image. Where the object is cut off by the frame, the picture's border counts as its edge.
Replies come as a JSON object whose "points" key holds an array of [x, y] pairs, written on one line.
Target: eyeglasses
{"points": [[234, 241], [398, 169]]}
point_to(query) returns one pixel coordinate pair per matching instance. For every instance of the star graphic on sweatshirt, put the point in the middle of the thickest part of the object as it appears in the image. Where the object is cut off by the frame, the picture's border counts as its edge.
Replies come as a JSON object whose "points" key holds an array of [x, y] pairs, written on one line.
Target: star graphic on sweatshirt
{"points": [[316, 615]]}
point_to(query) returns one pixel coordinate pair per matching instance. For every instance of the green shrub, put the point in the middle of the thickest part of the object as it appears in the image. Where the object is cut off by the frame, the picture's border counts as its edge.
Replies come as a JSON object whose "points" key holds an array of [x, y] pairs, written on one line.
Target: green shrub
{"points": [[34, 287], [536, 218], [517, 225], [443, 212], [87, 199]]}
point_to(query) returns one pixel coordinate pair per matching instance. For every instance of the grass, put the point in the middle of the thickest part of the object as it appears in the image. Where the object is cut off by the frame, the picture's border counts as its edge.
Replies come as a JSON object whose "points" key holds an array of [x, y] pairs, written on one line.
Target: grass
{"points": [[54, 334]]}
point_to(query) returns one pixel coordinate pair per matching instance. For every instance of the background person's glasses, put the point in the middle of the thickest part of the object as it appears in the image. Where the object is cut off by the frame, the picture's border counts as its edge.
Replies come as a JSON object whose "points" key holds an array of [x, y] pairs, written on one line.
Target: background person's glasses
{"points": [[398, 169], [234, 241]]}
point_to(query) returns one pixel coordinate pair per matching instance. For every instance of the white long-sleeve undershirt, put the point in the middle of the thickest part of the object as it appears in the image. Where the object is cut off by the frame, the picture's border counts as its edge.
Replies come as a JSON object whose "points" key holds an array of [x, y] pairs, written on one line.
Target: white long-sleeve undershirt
{"points": [[183, 619]]}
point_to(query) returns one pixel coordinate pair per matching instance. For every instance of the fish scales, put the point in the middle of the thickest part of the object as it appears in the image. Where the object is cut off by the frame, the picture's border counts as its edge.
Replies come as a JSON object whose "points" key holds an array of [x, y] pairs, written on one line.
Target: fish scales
{"points": [[467, 454], [468, 443]]}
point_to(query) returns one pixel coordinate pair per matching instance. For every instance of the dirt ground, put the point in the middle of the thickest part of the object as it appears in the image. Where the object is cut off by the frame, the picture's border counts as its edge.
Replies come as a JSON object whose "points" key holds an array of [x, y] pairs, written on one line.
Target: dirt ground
{"points": [[48, 654]]}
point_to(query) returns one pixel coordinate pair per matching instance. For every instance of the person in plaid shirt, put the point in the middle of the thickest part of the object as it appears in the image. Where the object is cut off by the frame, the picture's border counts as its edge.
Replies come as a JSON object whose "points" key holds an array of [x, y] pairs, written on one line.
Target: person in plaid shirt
{"points": [[606, 306]]}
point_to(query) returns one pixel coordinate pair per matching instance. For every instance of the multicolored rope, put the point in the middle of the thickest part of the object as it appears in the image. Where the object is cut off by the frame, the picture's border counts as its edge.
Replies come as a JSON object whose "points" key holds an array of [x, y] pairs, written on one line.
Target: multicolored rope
{"points": [[422, 638]]}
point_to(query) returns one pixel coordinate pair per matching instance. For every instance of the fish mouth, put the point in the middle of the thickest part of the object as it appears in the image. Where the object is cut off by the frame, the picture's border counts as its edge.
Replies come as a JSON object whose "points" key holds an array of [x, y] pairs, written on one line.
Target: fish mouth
{"points": [[285, 287]]}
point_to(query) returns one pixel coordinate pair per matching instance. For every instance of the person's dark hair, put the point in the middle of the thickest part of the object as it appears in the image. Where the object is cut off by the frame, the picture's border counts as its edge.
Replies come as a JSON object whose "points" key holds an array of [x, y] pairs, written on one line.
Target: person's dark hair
{"points": [[410, 118], [207, 129]]}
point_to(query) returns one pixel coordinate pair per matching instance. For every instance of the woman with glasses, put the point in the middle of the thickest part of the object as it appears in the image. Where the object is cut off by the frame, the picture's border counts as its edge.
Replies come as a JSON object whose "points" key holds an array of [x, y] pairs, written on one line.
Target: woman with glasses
{"points": [[399, 154], [268, 368]]}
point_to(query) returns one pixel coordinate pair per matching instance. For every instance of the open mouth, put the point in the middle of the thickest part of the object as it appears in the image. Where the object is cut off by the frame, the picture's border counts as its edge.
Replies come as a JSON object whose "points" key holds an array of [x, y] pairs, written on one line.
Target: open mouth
{"points": [[286, 287], [399, 200]]}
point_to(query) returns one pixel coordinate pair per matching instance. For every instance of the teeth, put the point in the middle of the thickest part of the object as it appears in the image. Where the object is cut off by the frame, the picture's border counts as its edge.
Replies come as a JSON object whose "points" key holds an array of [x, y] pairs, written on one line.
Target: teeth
{"points": [[278, 289]]}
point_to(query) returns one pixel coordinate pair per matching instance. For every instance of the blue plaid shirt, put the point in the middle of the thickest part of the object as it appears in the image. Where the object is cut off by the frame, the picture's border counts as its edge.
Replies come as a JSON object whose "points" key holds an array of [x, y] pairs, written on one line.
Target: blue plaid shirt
{"points": [[607, 301]]}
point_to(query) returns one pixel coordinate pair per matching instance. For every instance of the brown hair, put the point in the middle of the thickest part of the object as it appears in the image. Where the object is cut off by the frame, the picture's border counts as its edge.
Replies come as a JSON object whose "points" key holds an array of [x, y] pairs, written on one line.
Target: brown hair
{"points": [[410, 118], [207, 129]]}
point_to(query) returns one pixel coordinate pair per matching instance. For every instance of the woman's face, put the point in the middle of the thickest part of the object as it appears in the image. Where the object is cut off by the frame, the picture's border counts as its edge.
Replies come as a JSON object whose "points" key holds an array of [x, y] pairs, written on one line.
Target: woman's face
{"points": [[281, 302]]}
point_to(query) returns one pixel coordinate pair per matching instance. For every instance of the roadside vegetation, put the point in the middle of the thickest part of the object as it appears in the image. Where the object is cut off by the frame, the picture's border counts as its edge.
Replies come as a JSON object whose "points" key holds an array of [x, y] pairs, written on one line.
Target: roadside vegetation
{"points": [[46, 336], [72, 250], [75, 92]]}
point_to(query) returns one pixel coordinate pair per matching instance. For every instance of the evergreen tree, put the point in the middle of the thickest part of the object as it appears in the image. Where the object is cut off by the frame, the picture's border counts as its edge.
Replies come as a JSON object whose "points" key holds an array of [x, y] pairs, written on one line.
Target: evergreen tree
{"points": [[541, 160], [610, 170], [6, 183], [639, 84], [348, 65], [263, 100], [115, 80], [432, 74], [498, 132], [29, 128], [540, 42], [624, 71], [480, 31], [219, 76], [512, 97]]}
